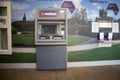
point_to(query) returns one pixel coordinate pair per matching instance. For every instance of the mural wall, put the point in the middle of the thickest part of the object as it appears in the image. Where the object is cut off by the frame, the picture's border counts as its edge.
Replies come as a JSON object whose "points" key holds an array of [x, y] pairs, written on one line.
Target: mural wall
{"points": [[83, 44]]}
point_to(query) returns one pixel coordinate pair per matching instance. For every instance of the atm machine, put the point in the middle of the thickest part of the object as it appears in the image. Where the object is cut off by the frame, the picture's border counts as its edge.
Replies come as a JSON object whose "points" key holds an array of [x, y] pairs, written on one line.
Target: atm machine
{"points": [[5, 28], [51, 38]]}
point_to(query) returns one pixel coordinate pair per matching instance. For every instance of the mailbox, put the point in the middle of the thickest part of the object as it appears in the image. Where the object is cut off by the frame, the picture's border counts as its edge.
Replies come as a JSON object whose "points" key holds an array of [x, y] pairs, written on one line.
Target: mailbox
{"points": [[5, 28], [51, 38]]}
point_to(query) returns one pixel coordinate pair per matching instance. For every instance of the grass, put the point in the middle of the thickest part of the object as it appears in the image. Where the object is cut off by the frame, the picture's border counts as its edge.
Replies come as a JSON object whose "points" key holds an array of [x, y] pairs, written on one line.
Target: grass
{"points": [[109, 53], [23, 39], [76, 40], [29, 39], [18, 58]]}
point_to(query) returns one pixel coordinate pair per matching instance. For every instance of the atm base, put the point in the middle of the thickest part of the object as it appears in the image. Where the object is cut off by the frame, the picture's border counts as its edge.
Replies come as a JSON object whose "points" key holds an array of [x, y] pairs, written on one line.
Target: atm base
{"points": [[51, 57]]}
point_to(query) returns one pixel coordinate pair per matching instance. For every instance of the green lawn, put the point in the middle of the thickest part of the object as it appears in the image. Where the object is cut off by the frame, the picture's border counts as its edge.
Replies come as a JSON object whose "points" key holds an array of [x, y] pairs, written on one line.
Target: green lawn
{"points": [[111, 53], [18, 58], [29, 39], [76, 39], [23, 39]]}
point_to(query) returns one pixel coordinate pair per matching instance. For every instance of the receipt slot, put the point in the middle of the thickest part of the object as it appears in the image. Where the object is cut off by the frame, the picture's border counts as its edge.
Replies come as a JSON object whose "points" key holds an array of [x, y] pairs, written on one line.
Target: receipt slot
{"points": [[51, 38], [5, 28]]}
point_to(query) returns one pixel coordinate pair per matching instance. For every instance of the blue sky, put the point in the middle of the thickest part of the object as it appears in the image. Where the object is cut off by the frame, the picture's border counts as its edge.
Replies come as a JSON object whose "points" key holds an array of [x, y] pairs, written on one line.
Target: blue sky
{"points": [[19, 7], [93, 8]]}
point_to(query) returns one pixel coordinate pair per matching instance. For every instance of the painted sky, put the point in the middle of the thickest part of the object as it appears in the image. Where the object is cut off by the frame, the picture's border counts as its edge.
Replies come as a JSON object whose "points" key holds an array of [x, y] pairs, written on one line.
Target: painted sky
{"points": [[19, 7]]}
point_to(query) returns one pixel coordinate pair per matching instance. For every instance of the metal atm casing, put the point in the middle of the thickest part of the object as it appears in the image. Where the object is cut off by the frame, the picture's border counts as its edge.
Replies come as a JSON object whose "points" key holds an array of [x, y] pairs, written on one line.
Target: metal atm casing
{"points": [[51, 38]]}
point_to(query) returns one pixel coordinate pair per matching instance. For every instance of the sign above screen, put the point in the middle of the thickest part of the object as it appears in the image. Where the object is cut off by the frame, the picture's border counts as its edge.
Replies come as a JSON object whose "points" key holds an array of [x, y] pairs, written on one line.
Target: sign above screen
{"points": [[48, 13]]}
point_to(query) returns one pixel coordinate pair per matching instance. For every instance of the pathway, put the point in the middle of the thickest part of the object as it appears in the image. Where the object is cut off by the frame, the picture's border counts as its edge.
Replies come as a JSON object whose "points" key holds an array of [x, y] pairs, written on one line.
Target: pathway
{"points": [[69, 48], [69, 64]]}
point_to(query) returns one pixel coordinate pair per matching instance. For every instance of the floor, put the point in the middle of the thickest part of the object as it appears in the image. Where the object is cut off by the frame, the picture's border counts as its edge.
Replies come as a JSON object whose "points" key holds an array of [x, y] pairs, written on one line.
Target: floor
{"points": [[79, 73]]}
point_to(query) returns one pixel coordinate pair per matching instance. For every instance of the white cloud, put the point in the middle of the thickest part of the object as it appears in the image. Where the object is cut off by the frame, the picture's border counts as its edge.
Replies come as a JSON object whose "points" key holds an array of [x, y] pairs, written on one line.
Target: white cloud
{"points": [[56, 5], [110, 13], [96, 5], [18, 15], [30, 15], [92, 14], [17, 18], [30, 0], [77, 3], [19, 6], [18, 10]]}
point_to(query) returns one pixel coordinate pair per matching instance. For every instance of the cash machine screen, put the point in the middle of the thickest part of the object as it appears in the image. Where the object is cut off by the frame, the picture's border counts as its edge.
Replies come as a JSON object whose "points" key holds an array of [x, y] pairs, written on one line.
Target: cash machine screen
{"points": [[49, 29]]}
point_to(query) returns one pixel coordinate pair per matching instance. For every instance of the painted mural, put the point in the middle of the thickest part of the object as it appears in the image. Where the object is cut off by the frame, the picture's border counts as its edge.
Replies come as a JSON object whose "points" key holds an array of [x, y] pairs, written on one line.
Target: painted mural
{"points": [[85, 41]]}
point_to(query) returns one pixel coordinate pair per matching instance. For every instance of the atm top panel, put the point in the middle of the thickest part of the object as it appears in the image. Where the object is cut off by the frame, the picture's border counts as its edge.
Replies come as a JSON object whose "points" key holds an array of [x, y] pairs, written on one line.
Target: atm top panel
{"points": [[51, 14]]}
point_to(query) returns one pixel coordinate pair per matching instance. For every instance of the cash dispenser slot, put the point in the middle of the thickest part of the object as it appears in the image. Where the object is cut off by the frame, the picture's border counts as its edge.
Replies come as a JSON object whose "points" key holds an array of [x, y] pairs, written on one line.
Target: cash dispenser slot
{"points": [[58, 37], [42, 37]]}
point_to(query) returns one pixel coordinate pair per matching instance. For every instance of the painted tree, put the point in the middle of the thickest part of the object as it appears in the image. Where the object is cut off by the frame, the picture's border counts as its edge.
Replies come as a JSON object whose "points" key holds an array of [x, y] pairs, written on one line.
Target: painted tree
{"points": [[78, 20]]}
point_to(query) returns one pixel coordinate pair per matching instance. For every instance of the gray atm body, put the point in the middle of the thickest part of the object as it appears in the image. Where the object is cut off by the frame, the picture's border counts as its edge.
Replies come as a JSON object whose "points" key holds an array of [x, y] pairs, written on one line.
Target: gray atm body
{"points": [[51, 38]]}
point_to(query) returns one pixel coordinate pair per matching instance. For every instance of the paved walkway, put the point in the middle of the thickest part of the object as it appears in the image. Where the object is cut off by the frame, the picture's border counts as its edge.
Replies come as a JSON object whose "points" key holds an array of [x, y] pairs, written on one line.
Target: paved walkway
{"points": [[69, 48], [82, 47], [90, 41], [91, 44], [24, 50], [69, 64]]}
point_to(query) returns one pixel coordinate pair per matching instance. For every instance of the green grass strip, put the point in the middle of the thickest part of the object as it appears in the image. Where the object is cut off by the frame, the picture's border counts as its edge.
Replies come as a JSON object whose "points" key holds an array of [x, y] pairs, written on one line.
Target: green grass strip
{"points": [[23, 39], [18, 58], [76, 39], [108, 53]]}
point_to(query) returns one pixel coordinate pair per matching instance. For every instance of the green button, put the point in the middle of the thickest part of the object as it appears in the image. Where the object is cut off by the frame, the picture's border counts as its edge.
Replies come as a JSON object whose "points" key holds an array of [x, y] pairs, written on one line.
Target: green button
{"points": [[62, 28]]}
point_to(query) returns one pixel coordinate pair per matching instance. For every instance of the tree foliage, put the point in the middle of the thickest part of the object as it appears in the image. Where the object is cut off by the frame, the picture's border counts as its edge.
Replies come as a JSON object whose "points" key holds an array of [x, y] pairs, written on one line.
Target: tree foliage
{"points": [[18, 26], [78, 20]]}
